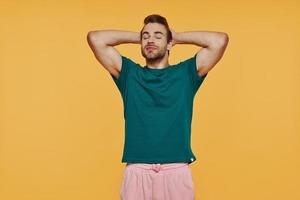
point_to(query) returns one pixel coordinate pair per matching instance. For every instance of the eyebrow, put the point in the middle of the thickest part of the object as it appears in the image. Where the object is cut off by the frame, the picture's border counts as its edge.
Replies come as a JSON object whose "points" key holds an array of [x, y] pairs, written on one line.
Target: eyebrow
{"points": [[154, 32]]}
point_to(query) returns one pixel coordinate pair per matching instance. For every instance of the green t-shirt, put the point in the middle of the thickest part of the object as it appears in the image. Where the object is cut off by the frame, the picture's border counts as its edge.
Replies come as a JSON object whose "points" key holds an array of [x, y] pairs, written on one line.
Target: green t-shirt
{"points": [[158, 108]]}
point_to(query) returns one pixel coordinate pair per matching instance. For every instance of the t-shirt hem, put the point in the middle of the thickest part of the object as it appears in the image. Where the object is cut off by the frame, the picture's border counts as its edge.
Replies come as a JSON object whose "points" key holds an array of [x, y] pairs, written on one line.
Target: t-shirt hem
{"points": [[161, 160]]}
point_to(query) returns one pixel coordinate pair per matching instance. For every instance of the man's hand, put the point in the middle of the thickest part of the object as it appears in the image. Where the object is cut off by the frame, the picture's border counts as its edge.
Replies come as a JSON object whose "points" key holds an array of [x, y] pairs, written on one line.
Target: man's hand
{"points": [[174, 37]]}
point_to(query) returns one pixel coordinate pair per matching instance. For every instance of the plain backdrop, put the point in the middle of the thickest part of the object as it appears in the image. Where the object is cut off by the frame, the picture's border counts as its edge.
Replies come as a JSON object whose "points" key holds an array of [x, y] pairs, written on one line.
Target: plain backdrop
{"points": [[62, 125]]}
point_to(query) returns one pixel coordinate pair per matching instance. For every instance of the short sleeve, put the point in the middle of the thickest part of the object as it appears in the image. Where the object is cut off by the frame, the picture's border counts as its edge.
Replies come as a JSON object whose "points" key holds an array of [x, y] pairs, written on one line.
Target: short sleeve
{"points": [[193, 73], [121, 81]]}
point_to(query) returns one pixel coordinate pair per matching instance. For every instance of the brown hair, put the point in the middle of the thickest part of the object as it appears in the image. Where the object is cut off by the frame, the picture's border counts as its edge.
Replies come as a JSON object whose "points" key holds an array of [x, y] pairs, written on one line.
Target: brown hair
{"points": [[155, 18]]}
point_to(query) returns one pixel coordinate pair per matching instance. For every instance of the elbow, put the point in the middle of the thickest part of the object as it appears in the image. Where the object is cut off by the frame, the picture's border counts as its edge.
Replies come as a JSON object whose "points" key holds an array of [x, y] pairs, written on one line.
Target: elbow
{"points": [[90, 36], [93, 38], [90, 39], [223, 39], [220, 40]]}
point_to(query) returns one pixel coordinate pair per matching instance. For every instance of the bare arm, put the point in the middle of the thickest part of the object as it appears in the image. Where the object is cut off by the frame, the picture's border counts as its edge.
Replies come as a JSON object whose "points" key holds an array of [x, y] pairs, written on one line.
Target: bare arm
{"points": [[213, 43], [102, 41]]}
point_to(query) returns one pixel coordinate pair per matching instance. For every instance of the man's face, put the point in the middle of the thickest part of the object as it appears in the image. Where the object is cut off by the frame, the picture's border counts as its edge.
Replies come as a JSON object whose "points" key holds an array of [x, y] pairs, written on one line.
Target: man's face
{"points": [[154, 41]]}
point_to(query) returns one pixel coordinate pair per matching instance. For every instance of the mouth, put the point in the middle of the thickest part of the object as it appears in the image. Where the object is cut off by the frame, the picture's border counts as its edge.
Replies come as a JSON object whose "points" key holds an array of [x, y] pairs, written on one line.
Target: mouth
{"points": [[150, 48]]}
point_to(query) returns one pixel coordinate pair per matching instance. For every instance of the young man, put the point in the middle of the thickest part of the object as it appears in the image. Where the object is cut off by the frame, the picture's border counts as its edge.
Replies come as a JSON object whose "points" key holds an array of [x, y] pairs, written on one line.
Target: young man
{"points": [[158, 104]]}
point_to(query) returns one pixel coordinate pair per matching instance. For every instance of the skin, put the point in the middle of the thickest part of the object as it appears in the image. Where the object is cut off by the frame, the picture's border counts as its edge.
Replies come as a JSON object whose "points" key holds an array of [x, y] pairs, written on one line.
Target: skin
{"points": [[102, 43], [155, 34]]}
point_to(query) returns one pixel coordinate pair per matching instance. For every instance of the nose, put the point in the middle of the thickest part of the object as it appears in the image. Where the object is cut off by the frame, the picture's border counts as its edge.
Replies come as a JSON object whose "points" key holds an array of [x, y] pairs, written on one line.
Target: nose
{"points": [[150, 39], [149, 43]]}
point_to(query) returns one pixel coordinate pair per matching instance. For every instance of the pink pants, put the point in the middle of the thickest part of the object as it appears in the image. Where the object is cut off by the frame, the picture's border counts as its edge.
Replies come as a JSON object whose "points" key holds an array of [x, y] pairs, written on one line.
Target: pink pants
{"points": [[167, 181]]}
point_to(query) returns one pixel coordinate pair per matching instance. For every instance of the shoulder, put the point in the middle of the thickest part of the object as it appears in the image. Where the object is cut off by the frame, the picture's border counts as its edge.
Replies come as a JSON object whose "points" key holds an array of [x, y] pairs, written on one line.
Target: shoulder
{"points": [[127, 65], [190, 64], [128, 62]]}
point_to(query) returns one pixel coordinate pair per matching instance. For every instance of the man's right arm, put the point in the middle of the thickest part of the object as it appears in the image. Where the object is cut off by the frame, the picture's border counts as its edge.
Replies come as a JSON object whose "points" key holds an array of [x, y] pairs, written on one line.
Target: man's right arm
{"points": [[102, 41]]}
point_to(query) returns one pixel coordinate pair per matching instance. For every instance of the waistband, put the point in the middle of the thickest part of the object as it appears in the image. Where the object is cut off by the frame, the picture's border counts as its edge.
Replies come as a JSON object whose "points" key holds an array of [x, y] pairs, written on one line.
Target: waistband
{"points": [[157, 166]]}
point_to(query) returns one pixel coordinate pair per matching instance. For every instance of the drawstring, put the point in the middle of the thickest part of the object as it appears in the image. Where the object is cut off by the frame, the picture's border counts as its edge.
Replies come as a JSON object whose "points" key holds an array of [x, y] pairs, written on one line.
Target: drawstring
{"points": [[156, 167]]}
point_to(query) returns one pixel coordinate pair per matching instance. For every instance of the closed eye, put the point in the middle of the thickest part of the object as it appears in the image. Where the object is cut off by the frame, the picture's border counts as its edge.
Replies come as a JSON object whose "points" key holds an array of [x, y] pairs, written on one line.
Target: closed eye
{"points": [[155, 37]]}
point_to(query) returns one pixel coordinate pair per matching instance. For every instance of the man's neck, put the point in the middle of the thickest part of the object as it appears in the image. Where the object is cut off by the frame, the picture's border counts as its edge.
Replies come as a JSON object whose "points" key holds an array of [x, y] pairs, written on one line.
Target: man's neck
{"points": [[158, 64]]}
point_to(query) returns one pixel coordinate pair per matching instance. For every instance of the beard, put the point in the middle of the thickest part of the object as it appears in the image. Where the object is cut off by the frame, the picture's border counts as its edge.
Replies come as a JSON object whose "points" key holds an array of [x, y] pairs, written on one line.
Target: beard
{"points": [[154, 55]]}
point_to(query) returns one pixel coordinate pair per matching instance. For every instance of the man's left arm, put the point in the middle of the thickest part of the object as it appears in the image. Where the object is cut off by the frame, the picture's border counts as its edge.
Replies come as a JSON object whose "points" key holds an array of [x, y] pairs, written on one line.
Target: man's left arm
{"points": [[213, 43]]}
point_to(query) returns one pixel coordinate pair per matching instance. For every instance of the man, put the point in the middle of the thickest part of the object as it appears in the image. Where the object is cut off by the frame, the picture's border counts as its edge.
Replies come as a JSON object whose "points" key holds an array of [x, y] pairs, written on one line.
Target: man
{"points": [[158, 104]]}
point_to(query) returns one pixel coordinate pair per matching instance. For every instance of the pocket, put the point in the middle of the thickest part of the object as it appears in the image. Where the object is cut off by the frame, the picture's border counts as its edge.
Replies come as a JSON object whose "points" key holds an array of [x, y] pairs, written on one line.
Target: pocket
{"points": [[190, 179], [124, 179], [184, 186], [122, 189], [192, 183]]}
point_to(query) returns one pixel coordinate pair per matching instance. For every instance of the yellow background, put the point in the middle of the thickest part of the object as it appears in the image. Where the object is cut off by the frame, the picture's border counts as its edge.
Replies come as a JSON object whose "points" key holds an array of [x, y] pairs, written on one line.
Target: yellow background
{"points": [[62, 126]]}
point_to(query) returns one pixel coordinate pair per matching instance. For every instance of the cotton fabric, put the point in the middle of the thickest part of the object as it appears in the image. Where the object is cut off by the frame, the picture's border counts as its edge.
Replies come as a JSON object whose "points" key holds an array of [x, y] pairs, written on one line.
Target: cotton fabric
{"points": [[170, 181]]}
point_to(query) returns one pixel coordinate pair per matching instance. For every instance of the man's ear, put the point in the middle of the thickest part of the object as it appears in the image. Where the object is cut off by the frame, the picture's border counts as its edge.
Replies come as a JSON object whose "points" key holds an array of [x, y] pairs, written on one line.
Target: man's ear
{"points": [[170, 45]]}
